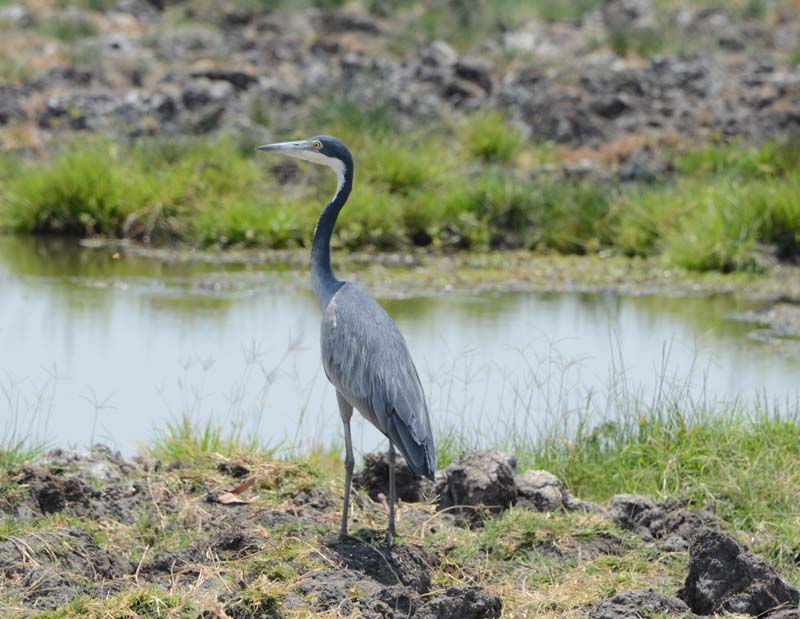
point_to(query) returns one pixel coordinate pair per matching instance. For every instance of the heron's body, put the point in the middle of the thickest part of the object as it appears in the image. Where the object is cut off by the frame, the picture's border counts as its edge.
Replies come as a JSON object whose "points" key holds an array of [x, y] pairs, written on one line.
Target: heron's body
{"points": [[363, 352], [367, 360]]}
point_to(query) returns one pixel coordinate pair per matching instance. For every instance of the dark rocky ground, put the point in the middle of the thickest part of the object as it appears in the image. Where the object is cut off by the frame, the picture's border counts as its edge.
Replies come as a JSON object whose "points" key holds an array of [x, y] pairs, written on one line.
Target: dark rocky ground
{"points": [[592, 85], [97, 534]]}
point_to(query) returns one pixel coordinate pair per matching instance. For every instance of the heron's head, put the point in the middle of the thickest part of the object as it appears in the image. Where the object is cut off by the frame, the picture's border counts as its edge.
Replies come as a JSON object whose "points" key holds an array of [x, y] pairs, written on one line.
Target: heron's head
{"points": [[322, 149]]}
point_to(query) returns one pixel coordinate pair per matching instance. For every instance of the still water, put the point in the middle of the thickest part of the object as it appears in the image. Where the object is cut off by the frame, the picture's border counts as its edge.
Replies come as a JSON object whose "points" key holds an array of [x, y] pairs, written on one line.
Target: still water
{"points": [[97, 347]]}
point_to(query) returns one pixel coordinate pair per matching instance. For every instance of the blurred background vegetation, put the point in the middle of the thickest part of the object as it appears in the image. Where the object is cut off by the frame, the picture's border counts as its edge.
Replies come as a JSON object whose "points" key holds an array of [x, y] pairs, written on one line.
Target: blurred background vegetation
{"points": [[476, 174]]}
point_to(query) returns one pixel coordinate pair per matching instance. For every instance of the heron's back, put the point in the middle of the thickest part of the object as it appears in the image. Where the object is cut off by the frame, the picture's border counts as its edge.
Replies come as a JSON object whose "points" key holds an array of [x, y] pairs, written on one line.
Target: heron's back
{"points": [[367, 360]]}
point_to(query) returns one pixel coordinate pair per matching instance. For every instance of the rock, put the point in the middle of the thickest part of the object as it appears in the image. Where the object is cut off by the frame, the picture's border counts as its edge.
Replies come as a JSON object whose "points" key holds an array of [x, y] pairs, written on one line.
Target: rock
{"points": [[374, 479], [345, 20], [456, 91], [202, 92], [141, 104], [619, 15], [475, 70], [478, 482], [77, 111], [461, 603], [330, 589], [610, 107], [53, 494], [627, 509], [314, 498], [346, 590], [639, 603], [540, 491], [99, 464], [10, 109], [439, 54], [239, 78], [67, 77], [234, 469], [783, 319], [723, 577], [94, 485], [669, 521], [642, 165], [181, 42]]}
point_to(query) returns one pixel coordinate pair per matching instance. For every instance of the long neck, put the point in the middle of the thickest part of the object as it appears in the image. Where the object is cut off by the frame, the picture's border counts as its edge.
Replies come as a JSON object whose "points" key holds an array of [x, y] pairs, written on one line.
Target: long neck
{"points": [[322, 278]]}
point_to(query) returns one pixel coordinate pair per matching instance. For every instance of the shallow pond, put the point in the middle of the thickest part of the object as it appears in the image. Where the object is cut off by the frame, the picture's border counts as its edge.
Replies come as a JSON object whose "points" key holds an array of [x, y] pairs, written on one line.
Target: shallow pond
{"points": [[98, 346]]}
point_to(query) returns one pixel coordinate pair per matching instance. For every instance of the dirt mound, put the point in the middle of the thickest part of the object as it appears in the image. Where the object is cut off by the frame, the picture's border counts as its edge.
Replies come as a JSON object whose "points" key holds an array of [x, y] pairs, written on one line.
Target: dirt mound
{"points": [[402, 564], [484, 483], [723, 577], [95, 484], [345, 590], [576, 549], [53, 567], [374, 479], [639, 604], [462, 603], [478, 483], [670, 525]]}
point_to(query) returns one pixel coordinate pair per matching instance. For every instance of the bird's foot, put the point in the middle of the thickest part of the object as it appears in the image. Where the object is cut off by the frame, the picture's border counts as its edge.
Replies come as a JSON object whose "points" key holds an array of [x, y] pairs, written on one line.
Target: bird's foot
{"points": [[344, 536]]}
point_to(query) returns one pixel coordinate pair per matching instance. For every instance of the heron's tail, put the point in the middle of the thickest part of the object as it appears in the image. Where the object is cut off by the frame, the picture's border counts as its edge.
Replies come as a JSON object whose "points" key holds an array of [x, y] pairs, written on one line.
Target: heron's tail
{"points": [[420, 456]]}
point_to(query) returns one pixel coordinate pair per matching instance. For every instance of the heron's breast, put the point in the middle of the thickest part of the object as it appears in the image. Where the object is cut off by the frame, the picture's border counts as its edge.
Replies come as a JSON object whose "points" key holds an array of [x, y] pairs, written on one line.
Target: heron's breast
{"points": [[330, 313]]}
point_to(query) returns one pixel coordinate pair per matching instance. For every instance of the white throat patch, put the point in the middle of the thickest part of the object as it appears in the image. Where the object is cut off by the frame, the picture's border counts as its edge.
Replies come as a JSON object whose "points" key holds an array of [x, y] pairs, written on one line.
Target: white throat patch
{"points": [[315, 157]]}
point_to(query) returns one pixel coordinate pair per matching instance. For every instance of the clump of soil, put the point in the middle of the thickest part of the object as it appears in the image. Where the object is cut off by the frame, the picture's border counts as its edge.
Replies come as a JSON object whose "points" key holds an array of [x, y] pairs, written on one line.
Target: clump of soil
{"points": [[52, 567], [723, 577]]}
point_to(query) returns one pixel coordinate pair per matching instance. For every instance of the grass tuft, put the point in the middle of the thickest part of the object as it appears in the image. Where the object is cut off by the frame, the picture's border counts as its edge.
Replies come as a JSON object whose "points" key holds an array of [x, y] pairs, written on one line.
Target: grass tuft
{"points": [[489, 138]]}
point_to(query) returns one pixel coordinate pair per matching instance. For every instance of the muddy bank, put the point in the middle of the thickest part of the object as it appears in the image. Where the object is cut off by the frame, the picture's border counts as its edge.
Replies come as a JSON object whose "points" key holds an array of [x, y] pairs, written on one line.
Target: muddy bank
{"points": [[106, 534], [425, 273]]}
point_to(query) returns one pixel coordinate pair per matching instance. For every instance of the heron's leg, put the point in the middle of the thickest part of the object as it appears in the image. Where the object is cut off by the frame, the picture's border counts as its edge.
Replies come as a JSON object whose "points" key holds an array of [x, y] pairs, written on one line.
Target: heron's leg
{"points": [[391, 531], [346, 411]]}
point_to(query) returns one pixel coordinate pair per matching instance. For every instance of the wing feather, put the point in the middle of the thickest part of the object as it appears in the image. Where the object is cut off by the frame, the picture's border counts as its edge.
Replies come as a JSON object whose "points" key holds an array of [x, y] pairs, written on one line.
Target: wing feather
{"points": [[367, 360]]}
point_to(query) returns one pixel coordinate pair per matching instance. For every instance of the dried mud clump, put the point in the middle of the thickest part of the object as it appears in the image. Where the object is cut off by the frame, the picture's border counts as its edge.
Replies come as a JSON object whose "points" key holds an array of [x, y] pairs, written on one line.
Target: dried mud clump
{"points": [[670, 525], [478, 483], [462, 603], [50, 568], [638, 604], [402, 564], [723, 577], [484, 483], [374, 479]]}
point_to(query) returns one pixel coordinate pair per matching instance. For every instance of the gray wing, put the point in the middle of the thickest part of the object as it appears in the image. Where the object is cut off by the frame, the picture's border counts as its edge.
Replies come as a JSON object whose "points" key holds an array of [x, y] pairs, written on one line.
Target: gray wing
{"points": [[367, 360]]}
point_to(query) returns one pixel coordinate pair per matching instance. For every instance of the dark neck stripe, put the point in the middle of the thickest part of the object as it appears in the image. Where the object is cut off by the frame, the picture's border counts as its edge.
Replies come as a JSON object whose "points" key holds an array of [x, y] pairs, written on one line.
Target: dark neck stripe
{"points": [[322, 278]]}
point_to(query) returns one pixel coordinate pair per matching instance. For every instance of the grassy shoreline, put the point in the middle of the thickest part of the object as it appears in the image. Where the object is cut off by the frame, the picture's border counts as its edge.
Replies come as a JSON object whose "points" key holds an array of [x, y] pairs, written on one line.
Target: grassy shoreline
{"points": [[739, 464], [472, 187]]}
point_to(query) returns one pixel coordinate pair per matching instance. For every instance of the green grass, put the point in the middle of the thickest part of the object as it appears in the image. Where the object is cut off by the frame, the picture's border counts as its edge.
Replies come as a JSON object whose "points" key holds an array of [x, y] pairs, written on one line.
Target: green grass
{"points": [[724, 205], [471, 185], [740, 461], [461, 22], [489, 138], [66, 28], [186, 440]]}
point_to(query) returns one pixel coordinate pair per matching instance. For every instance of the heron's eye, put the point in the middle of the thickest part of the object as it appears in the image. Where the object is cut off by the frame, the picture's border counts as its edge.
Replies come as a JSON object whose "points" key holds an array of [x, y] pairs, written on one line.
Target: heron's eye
{"points": [[316, 144]]}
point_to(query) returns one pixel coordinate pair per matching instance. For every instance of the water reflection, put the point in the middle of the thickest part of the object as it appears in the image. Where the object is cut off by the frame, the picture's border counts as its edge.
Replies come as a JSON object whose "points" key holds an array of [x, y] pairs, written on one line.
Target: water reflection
{"points": [[135, 342]]}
